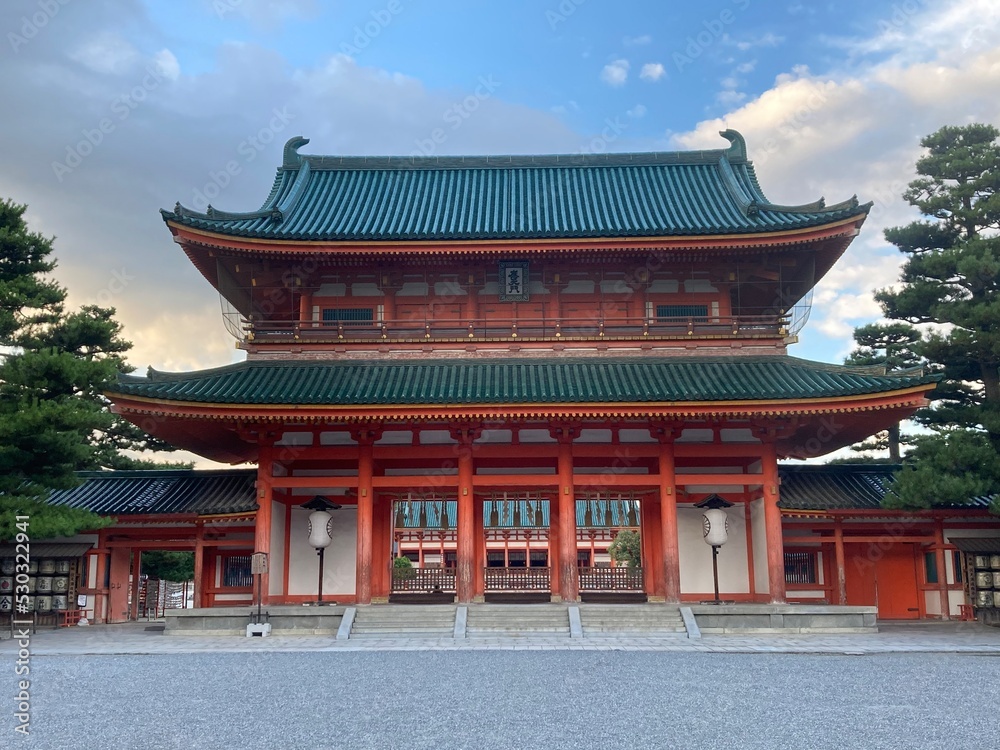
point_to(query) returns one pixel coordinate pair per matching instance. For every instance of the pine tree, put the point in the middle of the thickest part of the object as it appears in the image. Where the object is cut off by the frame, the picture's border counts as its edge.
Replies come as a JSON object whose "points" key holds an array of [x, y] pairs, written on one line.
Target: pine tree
{"points": [[950, 279], [53, 365]]}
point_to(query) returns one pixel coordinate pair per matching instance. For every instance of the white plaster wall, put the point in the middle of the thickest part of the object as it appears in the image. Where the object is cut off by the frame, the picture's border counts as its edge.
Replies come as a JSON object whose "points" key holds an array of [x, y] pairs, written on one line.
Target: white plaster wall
{"points": [[932, 602], [761, 581], [340, 558], [955, 600], [276, 560], [696, 556]]}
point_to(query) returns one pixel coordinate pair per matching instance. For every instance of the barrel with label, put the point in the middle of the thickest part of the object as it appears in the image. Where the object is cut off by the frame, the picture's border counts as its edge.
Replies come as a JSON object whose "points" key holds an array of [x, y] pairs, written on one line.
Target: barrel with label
{"points": [[984, 579], [43, 603], [6, 603], [60, 584], [7, 566], [62, 567], [32, 567], [47, 566], [60, 602], [32, 584], [44, 584], [982, 561], [7, 585]]}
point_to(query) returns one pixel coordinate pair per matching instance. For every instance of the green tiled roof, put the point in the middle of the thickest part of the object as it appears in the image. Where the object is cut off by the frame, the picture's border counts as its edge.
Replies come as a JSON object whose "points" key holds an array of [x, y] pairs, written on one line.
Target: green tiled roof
{"points": [[528, 381], [842, 487], [122, 493], [508, 197]]}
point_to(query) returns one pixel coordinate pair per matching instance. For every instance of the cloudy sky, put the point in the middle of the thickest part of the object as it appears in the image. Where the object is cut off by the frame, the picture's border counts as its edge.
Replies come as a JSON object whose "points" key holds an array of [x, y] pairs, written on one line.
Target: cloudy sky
{"points": [[116, 108]]}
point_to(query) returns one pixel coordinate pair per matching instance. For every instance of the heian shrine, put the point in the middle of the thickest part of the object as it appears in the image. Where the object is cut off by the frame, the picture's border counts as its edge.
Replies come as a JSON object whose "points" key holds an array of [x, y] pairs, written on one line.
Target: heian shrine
{"points": [[494, 364]]}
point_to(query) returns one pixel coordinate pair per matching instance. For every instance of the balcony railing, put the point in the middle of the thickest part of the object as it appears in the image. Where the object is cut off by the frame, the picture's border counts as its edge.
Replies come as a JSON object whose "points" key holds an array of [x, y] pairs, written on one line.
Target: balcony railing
{"points": [[611, 579], [506, 329], [423, 580], [516, 579]]}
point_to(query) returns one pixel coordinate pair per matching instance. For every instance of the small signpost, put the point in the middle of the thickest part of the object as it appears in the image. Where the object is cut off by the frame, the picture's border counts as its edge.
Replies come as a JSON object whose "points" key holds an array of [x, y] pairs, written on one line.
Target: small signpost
{"points": [[259, 625]]}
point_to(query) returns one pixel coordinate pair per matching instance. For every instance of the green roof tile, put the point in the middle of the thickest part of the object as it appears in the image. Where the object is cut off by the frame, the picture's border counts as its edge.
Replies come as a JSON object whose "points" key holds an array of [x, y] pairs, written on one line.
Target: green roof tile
{"points": [[511, 197], [529, 381]]}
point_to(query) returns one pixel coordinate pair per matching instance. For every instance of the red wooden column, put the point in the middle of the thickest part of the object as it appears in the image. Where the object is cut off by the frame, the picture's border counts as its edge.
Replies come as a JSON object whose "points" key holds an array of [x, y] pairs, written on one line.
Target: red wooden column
{"points": [[942, 570], [838, 542], [366, 467], [466, 545], [772, 525], [668, 521], [568, 575], [262, 521], [199, 565], [554, 547], [652, 547]]}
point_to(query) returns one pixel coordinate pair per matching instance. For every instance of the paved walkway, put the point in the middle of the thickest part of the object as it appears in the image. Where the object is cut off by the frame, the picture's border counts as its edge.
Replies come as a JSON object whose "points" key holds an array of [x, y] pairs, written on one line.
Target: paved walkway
{"points": [[134, 638]]}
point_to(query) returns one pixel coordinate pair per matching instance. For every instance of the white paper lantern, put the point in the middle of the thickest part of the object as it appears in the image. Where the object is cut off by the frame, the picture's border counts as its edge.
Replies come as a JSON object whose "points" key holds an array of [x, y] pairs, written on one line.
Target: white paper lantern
{"points": [[715, 525], [320, 529]]}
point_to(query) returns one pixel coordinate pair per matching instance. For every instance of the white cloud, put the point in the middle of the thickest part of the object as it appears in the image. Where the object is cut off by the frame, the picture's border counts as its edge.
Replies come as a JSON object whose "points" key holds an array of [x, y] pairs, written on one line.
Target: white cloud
{"points": [[730, 97], [106, 53], [652, 72], [769, 39], [637, 111], [746, 67], [835, 135], [615, 73], [637, 41], [167, 64]]}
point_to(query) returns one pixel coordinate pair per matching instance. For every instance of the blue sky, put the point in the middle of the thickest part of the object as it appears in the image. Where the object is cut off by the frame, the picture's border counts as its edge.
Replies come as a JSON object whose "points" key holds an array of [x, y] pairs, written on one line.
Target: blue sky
{"points": [[116, 108]]}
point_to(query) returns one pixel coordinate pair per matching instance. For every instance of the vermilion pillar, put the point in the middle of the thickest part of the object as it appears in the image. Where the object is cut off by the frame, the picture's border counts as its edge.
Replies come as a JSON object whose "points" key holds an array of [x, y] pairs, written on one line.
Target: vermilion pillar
{"points": [[554, 548], [466, 552], [262, 521], [668, 524], [363, 587], [838, 543], [772, 525], [136, 581], [568, 576], [652, 548]]}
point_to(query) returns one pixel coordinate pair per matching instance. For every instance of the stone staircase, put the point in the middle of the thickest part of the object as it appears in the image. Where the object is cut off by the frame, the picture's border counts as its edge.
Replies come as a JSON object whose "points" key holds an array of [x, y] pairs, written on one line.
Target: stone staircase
{"points": [[513, 620], [630, 619], [404, 621]]}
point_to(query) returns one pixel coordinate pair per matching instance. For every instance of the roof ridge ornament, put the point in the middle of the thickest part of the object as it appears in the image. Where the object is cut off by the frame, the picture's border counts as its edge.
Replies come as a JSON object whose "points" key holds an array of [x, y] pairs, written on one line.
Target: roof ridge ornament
{"points": [[738, 144], [292, 159]]}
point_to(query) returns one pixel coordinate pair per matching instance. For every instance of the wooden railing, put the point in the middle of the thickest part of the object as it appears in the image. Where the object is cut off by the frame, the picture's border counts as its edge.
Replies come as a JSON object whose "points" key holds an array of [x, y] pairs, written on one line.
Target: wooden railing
{"points": [[516, 579], [424, 580], [611, 579], [719, 326]]}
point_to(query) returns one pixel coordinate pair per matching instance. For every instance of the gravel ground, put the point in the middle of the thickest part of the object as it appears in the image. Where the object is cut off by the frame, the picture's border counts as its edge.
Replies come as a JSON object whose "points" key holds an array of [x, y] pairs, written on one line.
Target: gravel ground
{"points": [[505, 699]]}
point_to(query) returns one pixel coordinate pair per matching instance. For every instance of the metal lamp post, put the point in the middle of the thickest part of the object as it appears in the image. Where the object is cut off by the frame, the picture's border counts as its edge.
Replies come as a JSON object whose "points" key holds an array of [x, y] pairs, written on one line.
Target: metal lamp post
{"points": [[320, 532], [715, 527]]}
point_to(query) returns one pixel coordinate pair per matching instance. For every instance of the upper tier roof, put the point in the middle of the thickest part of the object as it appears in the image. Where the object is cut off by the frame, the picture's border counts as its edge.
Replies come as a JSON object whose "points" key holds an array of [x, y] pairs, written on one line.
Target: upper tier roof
{"points": [[396, 198]]}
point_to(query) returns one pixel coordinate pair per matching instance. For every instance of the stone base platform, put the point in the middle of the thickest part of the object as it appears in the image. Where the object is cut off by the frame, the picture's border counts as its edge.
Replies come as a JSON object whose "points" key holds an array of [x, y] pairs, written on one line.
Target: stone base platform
{"points": [[784, 618], [285, 619]]}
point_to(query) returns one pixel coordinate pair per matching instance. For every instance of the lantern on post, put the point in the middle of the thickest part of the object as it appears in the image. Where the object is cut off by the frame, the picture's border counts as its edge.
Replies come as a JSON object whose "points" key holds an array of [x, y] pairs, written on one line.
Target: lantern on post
{"points": [[715, 527], [320, 533]]}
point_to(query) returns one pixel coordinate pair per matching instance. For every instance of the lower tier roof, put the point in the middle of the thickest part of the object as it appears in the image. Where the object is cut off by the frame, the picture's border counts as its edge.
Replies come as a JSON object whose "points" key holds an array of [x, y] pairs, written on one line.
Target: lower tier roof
{"points": [[511, 381]]}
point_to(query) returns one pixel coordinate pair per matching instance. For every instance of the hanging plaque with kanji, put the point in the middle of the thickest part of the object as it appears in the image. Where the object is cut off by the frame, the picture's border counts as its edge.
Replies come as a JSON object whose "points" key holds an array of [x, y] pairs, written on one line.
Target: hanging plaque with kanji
{"points": [[514, 281]]}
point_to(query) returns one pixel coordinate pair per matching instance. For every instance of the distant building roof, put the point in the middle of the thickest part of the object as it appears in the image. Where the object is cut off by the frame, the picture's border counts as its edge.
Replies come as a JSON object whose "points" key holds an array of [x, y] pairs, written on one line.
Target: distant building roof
{"points": [[123, 493], [842, 487], [344, 198]]}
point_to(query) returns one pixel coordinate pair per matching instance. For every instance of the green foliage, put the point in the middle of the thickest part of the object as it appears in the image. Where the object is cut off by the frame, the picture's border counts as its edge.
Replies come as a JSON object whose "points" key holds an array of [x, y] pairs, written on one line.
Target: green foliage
{"points": [[626, 548], [891, 346], [168, 566], [950, 278], [402, 568], [54, 420]]}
